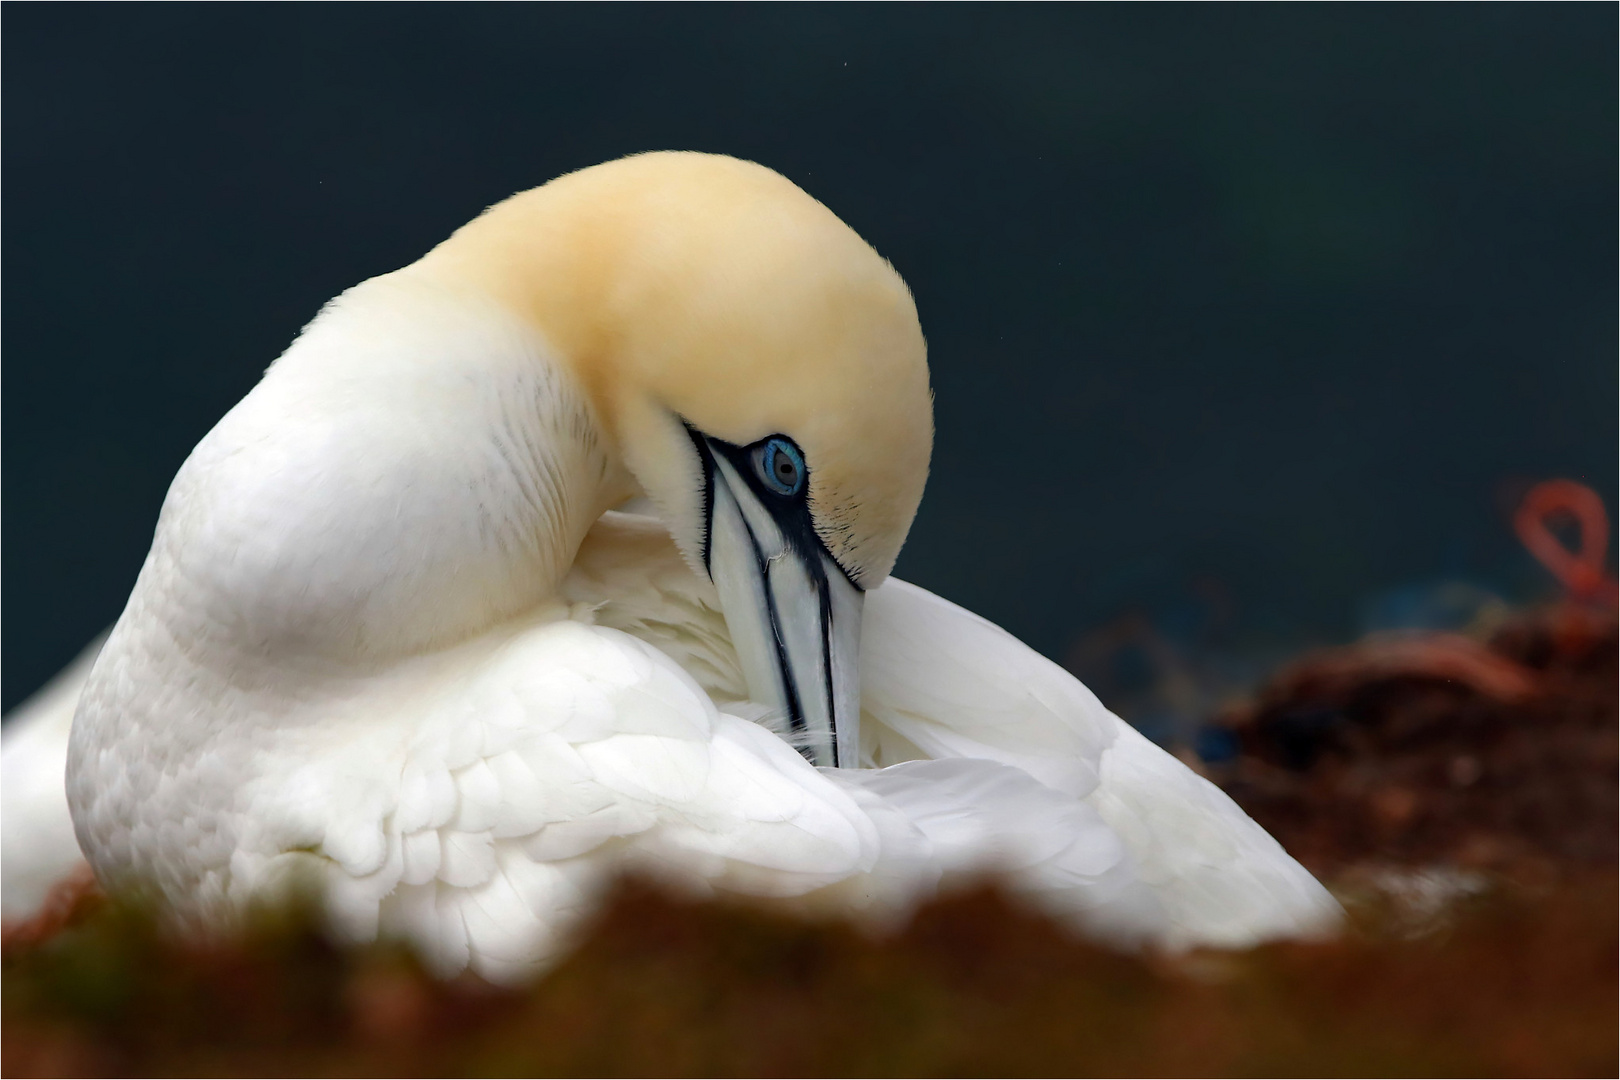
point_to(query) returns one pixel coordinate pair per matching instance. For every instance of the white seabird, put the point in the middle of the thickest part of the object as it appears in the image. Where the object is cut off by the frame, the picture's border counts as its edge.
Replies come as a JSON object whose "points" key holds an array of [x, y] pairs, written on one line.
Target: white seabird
{"points": [[394, 636]]}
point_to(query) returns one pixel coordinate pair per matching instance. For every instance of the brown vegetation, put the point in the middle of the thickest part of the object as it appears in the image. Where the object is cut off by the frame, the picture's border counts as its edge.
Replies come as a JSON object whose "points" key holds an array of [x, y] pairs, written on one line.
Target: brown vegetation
{"points": [[1415, 755], [1439, 750], [975, 986]]}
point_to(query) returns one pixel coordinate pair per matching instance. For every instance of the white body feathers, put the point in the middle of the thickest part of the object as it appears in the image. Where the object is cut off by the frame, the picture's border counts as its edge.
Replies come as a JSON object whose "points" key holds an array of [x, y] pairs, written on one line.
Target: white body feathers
{"points": [[374, 643]]}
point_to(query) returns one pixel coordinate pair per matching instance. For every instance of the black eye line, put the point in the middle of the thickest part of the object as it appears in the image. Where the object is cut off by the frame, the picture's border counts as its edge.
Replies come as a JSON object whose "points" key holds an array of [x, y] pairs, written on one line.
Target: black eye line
{"points": [[792, 512], [742, 459]]}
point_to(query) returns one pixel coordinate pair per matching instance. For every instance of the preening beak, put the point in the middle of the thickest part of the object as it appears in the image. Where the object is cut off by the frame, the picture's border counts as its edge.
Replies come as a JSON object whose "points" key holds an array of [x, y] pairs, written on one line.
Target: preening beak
{"points": [[794, 616]]}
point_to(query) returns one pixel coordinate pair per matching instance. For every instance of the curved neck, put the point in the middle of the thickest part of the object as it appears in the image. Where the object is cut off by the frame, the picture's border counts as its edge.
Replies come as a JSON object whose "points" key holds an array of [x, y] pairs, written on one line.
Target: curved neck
{"points": [[415, 469]]}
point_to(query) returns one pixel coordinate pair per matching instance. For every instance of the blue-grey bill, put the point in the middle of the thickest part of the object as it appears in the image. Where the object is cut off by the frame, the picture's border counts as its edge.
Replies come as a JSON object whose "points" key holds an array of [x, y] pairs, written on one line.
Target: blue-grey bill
{"points": [[795, 620]]}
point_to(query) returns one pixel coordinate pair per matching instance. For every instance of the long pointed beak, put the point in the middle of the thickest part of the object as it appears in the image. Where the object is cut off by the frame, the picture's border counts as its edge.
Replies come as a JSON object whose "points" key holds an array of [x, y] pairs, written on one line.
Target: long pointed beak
{"points": [[794, 617]]}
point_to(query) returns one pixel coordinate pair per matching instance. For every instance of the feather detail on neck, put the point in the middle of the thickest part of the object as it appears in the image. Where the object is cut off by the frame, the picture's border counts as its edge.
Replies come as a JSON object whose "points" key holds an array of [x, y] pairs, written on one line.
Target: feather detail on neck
{"points": [[415, 469]]}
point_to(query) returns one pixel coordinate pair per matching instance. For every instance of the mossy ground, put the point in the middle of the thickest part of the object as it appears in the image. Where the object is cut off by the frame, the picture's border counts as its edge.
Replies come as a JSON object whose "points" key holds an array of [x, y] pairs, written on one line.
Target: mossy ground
{"points": [[975, 985], [1514, 975]]}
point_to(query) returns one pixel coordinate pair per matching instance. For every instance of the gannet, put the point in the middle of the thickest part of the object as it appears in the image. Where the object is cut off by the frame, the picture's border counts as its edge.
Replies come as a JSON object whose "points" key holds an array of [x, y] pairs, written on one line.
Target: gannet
{"points": [[566, 550]]}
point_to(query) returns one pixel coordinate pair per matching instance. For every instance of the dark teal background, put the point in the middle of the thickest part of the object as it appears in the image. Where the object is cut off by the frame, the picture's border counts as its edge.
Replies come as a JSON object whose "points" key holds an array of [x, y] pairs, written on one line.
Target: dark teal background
{"points": [[1283, 302]]}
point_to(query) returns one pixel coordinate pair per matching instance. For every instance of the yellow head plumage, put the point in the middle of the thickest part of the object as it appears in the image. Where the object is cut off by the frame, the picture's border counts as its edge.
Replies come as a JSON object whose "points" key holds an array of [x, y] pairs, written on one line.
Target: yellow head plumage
{"points": [[695, 288]]}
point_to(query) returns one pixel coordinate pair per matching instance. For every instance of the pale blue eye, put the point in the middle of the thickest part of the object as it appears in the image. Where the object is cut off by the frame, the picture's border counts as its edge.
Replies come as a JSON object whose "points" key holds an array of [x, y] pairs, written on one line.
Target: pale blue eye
{"points": [[779, 465]]}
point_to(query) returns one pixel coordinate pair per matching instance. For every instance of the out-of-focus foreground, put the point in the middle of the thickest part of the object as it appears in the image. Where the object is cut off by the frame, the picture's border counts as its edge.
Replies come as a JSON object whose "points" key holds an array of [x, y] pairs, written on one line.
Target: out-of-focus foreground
{"points": [[974, 986], [1459, 794]]}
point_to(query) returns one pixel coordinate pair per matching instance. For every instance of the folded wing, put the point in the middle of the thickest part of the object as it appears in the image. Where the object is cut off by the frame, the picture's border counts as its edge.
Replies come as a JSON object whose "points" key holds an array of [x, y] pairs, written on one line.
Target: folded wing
{"points": [[945, 683]]}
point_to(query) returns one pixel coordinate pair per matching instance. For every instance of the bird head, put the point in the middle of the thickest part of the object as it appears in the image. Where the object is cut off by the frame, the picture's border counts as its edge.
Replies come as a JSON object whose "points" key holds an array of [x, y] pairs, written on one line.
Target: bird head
{"points": [[758, 370]]}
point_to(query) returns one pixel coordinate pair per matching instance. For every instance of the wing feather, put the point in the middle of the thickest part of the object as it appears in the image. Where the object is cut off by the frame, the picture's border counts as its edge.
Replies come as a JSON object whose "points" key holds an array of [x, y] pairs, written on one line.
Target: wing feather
{"points": [[574, 750], [1218, 876]]}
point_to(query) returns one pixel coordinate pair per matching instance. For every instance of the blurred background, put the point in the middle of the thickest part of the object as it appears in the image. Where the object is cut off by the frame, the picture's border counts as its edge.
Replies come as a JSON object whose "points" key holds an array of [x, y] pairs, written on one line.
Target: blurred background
{"points": [[1249, 326], [1253, 329]]}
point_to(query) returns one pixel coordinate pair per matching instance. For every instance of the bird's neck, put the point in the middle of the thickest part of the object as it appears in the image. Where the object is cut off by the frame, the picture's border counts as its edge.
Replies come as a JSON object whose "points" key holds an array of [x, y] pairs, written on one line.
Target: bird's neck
{"points": [[416, 469]]}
